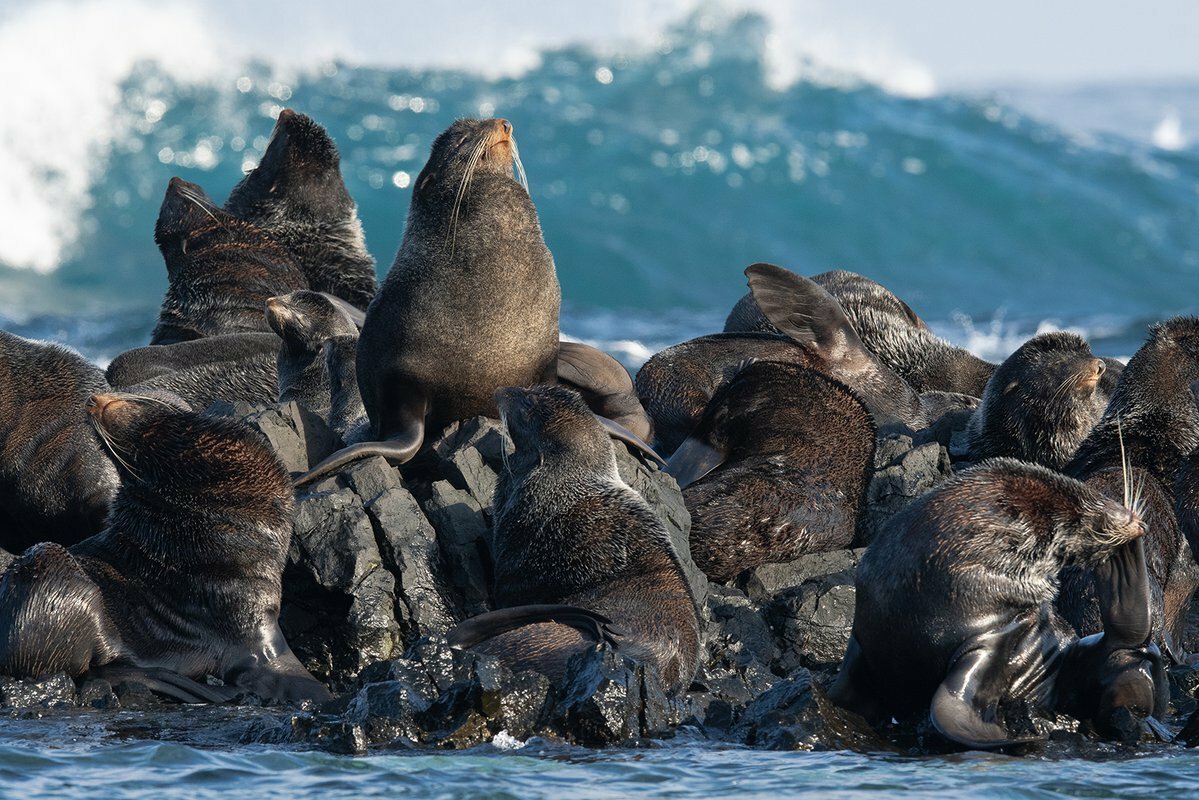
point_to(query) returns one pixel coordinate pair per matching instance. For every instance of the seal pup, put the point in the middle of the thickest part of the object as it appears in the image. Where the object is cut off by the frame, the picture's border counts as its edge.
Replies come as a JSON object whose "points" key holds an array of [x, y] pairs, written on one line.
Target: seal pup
{"points": [[1041, 402], [347, 415], [776, 468], [470, 304], [56, 479], [954, 603], [185, 580], [891, 330], [305, 320], [677, 383], [296, 194], [220, 269], [569, 532], [1151, 424]]}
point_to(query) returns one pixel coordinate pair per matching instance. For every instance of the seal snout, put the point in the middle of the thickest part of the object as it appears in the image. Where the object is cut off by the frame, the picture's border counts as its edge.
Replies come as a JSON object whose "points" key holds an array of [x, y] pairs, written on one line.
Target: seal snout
{"points": [[100, 405]]}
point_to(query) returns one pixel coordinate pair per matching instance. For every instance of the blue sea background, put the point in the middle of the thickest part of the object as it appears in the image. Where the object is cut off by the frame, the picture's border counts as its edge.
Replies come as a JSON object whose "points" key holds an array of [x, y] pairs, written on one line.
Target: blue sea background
{"points": [[660, 170]]}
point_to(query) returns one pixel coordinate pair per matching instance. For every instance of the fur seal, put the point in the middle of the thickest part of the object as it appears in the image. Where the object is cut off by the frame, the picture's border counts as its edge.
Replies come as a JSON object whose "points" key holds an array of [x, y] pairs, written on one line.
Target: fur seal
{"points": [[305, 320], [220, 269], [954, 607], [891, 330], [470, 304], [347, 416], [185, 580], [776, 468], [1041, 402], [296, 194], [677, 383], [56, 478], [156, 360], [1151, 424], [570, 533]]}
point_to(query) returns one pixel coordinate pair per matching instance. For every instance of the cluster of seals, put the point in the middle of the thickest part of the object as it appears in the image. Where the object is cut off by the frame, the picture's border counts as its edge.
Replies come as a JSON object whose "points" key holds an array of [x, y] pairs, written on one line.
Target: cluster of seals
{"points": [[296, 194], [221, 270], [56, 479], [954, 608], [570, 534], [891, 330], [185, 580], [776, 468]]}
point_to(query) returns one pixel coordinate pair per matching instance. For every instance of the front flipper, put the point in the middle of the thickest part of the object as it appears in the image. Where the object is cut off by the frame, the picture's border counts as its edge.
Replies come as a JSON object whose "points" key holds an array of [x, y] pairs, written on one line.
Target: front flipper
{"points": [[1122, 586], [356, 315], [166, 683], [965, 707], [693, 459], [493, 623], [623, 434]]}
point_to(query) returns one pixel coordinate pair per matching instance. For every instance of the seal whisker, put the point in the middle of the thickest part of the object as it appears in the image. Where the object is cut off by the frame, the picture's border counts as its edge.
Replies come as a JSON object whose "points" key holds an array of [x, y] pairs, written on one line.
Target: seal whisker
{"points": [[520, 167], [463, 188]]}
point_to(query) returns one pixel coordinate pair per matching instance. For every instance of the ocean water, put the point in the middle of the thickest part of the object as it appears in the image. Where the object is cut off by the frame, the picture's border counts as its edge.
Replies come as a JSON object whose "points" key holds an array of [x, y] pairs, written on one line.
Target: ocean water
{"points": [[662, 162]]}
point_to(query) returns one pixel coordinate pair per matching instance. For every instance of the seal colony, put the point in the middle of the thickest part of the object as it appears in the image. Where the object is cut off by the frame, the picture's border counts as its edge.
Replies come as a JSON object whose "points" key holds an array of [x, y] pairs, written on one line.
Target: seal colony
{"points": [[441, 521]]}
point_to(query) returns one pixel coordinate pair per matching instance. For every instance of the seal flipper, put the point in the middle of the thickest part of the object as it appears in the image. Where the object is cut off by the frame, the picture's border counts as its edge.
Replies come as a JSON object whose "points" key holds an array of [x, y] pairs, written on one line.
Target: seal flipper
{"points": [[480, 628], [605, 386], [965, 705], [166, 683], [356, 315], [693, 459], [1122, 586], [801, 309], [406, 417], [621, 433]]}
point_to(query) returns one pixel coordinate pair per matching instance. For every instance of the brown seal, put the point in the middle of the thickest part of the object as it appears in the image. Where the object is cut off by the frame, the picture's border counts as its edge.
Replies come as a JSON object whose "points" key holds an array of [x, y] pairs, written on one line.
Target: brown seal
{"points": [[569, 532], [954, 608], [470, 304], [776, 468], [1150, 425], [891, 330], [1041, 402], [56, 478], [220, 269], [185, 580], [296, 194]]}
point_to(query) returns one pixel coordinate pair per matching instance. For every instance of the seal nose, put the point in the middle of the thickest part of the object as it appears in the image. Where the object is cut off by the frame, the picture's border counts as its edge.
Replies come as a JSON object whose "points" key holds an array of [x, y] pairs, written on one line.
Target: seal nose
{"points": [[97, 403], [505, 127]]}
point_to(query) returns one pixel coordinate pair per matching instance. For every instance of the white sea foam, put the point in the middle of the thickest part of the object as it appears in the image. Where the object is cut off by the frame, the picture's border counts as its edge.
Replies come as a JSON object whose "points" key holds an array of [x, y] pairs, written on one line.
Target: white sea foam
{"points": [[64, 62], [1167, 134]]}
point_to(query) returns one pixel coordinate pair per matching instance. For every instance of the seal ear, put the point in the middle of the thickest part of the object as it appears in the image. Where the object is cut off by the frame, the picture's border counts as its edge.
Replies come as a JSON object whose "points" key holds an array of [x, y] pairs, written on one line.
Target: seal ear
{"points": [[356, 315], [804, 311], [965, 705]]}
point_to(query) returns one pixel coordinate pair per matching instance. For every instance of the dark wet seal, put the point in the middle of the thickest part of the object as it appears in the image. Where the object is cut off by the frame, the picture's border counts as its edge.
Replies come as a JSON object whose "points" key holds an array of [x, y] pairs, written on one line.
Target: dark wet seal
{"points": [[955, 616], [56, 478], [185, 580], [296, 193], [1041, 402], [891, 330], [776, 468], [470, 304], [220, 269], [580, 557], [1152, 425]]}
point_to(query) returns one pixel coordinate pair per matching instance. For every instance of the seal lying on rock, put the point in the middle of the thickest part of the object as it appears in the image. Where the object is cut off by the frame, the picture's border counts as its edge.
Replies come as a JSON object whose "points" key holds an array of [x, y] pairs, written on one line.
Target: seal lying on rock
{"points": [[677, 383], [569, 532], [185, 580], [296, 194], [891, 330], [470, 304], [954, 608], [221, 269], [776, 468], [1041, 402], [56, 478]]}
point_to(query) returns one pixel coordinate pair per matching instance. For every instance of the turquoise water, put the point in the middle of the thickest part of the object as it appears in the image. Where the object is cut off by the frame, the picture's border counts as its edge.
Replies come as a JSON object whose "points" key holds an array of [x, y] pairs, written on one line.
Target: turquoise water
{"points": [[659, 173]]}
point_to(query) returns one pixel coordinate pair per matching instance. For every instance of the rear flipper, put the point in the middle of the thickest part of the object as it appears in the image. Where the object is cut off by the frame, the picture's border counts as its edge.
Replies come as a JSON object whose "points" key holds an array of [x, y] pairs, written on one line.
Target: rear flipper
{"points": [[965, 707], [272, 671], [475, 630], [166, 683], [605, 386], [853, 688]]}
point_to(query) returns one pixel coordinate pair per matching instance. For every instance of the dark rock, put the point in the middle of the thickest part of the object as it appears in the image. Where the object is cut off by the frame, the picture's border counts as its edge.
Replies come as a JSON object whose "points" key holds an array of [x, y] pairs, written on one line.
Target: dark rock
{"points": [[371, 477], [338, 599], [464, 535], [600, 700], [797, 715], [902, 473], [50, 691], [324, 733], [299, 437], [135, 694], [98, 693], [764, 582], [386, 712], [1184, 681], [471, 455]]}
